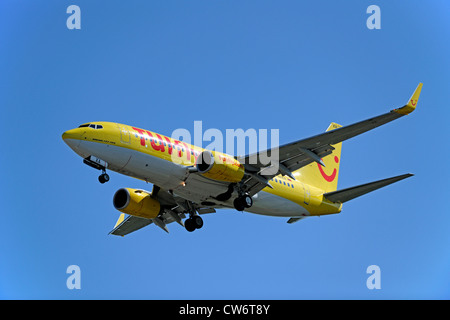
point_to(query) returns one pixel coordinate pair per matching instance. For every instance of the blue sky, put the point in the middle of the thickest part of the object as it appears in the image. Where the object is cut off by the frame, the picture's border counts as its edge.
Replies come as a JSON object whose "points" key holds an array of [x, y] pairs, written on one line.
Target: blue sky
{"points": [[295, 66]]}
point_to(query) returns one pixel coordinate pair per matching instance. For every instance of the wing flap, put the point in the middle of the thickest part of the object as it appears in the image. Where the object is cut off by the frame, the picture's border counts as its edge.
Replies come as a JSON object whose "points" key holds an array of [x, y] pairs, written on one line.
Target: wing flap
{"points": [[348, 194]]}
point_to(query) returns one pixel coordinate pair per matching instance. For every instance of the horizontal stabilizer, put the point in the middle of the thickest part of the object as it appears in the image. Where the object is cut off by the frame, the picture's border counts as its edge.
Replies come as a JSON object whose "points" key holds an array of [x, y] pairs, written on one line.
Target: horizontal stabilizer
{"points": [[345, 195]]}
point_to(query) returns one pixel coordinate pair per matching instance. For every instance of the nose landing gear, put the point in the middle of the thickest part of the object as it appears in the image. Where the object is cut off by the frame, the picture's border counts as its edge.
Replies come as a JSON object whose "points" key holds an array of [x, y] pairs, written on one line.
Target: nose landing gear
{"points": [[104, 177], [98, 164]]}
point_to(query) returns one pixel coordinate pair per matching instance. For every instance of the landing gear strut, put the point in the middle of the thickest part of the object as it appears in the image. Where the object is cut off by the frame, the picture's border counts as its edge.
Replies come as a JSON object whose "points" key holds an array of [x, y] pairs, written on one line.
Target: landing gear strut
{"points": [[243, 202]]}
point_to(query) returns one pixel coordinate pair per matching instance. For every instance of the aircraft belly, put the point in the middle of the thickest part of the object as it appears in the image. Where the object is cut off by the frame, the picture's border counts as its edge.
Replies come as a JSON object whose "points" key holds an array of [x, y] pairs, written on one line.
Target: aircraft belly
{"points": [[272, 205], [113, 155], [172, 176], [201, 190], [165, 174], [136, 164]]}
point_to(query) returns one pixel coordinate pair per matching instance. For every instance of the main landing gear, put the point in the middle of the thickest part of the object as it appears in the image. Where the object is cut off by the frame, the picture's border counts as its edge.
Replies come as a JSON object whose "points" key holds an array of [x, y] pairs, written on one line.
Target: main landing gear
{"points": [[243, 202], [193, 222]]}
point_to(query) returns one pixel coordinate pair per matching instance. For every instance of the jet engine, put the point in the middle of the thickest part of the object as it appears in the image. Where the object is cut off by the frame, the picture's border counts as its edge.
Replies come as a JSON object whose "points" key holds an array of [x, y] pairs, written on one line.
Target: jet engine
{"points": [[219, 166], [136, 203]]}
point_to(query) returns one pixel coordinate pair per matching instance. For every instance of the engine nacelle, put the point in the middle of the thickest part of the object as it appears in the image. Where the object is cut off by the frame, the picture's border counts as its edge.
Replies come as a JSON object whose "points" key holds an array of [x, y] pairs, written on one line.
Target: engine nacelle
{"points": [[219, 166], [136, 203]]}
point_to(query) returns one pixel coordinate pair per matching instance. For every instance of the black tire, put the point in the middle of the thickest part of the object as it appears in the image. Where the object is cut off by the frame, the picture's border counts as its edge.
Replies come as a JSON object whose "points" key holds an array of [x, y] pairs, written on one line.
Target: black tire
{"points": [[101, 179], [239, 204], [105, 177], [189, 224], [198, 222]]}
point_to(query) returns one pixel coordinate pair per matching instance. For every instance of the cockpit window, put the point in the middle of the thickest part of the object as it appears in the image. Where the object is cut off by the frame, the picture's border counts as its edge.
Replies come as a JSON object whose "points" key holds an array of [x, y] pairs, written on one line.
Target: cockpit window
{"points": [[93, 126]]}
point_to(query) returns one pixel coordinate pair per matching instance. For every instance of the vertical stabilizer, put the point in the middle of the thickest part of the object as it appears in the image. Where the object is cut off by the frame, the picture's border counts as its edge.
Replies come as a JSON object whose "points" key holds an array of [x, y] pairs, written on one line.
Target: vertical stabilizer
{"points": [[323, 177]]}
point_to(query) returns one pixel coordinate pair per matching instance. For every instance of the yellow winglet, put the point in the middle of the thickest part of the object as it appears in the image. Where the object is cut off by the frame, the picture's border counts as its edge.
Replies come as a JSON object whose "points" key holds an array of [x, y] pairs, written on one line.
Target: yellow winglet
{"points": [[412, 102], [120, 220]]}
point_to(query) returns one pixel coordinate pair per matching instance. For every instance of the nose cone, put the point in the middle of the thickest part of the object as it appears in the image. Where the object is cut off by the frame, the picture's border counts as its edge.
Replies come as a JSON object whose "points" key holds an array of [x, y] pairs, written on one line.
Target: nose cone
{"points": [[72, 137]]}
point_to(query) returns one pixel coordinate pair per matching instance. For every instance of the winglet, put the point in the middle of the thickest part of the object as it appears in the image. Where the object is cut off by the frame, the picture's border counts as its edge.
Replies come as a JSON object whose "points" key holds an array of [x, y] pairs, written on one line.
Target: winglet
{"points": [[120, 220], [412, 102]]}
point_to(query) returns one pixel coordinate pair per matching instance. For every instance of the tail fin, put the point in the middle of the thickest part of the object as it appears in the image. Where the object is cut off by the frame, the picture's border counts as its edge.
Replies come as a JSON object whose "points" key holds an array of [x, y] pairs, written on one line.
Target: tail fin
{"points": [[325, 178]]}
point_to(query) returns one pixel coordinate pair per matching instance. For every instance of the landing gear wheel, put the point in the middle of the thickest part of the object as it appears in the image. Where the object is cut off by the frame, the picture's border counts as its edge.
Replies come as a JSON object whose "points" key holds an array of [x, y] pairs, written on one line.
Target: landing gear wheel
{"points": [[243, 202], [104, 177], [247, 200], [198, 221], [189, 224], [239, 204]]}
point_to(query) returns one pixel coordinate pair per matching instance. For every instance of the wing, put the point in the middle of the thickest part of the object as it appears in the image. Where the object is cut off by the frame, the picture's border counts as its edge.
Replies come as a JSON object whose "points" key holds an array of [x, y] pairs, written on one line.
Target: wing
{"points": [[126, 225], [174, 210], [293, 156]]}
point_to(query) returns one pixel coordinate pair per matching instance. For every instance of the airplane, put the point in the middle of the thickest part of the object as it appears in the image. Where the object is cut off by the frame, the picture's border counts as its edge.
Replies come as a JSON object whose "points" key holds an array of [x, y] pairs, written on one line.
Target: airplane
{"points": [[189, 181]]}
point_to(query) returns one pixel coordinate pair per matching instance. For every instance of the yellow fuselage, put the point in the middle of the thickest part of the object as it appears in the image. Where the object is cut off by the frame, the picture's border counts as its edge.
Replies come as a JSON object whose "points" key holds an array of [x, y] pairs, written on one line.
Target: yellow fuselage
{"points": [[163, 161]]}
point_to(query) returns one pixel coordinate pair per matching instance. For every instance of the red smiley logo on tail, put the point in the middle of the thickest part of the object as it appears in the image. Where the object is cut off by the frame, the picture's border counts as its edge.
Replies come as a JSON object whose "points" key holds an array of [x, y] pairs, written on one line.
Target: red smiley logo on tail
{"points": [[331, 177], [413, 102]]}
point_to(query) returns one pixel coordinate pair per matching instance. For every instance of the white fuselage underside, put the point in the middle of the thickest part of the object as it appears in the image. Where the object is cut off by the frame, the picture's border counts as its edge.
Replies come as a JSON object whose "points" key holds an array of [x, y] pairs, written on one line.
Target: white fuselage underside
{"points": [[170, 176]]}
